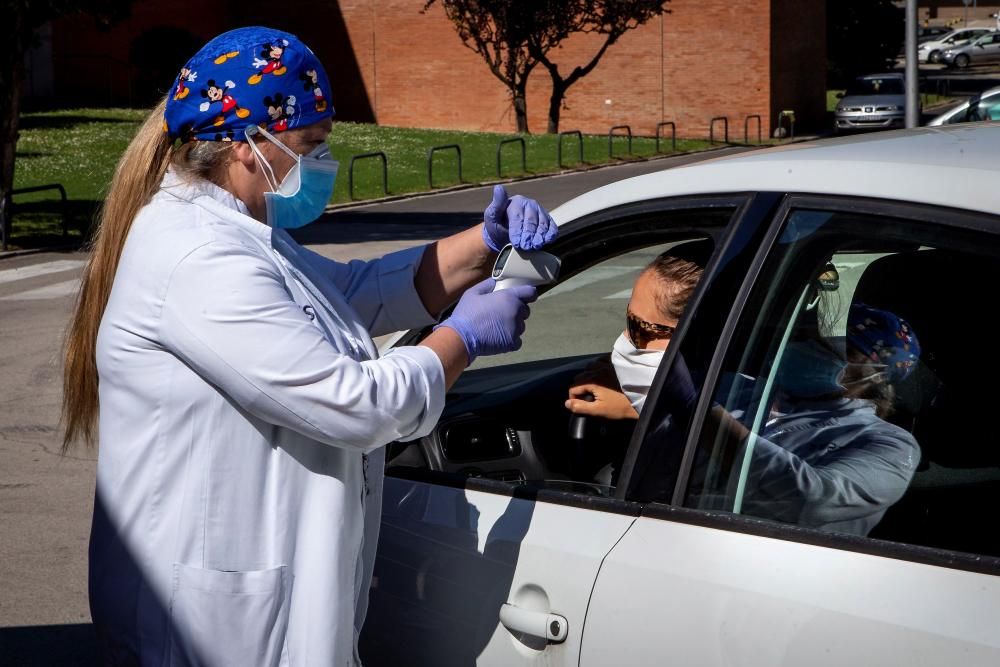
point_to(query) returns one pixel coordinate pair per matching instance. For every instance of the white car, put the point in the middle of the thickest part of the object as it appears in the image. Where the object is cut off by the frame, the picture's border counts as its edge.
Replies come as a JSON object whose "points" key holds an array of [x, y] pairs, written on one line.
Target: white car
{"points": [[501, 546], [930, 51], [985, 106]]}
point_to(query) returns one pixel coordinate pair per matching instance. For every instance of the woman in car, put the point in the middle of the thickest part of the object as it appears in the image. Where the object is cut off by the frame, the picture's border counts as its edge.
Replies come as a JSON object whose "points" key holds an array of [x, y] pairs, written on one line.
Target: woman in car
{"points": [[615, 387]]}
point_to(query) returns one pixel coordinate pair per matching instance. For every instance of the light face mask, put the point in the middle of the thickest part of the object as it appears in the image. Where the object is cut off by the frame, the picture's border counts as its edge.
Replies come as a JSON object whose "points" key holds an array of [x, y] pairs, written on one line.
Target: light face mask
{"points": [[303, 194], [635, 369]]}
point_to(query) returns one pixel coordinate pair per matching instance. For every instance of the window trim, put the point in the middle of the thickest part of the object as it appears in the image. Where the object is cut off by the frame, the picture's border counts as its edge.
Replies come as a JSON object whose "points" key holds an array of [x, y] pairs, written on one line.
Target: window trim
{"points": [[622, 215], [944, 217]]}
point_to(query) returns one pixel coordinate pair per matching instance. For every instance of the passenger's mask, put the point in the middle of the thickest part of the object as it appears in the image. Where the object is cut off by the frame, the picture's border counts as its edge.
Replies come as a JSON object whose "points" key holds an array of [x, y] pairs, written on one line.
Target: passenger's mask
{"points": [[635, 369], [304, 192], [808, 370]]}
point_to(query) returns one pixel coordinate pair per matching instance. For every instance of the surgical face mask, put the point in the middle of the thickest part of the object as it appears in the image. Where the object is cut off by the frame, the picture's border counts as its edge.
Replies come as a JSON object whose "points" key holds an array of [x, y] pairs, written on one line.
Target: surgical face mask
{"points": [[635, 369], [808, 370], [304, 192]]}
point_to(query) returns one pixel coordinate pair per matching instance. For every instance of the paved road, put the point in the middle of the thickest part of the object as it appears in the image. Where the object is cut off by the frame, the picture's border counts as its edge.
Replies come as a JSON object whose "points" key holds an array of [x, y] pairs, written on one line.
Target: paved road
{"points": [[45, 497]]}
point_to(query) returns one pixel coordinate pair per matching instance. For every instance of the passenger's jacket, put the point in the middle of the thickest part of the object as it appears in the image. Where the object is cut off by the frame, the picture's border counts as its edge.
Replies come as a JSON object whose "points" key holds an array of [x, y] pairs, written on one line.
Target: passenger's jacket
{"points": [[243, 413], [829, 464]]}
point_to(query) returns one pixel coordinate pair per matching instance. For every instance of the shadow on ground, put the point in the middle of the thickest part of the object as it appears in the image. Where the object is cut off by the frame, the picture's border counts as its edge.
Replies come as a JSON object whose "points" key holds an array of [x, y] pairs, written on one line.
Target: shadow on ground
{"points": [[49, 646]]}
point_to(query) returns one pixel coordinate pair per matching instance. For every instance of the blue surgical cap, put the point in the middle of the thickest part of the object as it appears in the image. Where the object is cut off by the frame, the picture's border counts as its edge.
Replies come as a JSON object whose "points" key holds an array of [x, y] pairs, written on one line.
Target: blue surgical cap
{"points": [[248, 76]]}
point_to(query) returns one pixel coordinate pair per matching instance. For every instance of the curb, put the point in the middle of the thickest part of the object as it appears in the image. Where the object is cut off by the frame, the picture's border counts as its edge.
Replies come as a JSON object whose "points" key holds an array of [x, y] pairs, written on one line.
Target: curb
{"points": [[10, 254]]}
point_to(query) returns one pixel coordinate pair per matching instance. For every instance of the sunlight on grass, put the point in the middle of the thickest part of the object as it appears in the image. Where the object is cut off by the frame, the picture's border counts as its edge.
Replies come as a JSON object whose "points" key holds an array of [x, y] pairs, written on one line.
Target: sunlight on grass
{"points": [[78, 148]]}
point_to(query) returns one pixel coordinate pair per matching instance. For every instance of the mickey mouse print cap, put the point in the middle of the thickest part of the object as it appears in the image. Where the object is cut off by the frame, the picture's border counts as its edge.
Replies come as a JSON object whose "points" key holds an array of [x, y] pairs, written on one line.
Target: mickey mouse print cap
{"points": [[248, 76]]}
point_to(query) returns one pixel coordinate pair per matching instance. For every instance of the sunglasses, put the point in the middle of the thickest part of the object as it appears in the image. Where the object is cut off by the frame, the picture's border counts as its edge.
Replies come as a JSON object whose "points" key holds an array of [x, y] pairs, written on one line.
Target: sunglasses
{"points": [[640, 332]]}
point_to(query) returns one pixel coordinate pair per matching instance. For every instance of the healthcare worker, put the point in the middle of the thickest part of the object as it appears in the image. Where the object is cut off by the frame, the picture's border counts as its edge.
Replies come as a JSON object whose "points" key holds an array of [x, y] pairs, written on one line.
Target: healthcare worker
{"points": [[230, 376]]}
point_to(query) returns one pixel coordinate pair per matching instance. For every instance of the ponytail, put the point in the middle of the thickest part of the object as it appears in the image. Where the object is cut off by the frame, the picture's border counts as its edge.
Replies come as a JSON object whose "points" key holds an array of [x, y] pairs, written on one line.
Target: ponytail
{"points": [[137, 178]]}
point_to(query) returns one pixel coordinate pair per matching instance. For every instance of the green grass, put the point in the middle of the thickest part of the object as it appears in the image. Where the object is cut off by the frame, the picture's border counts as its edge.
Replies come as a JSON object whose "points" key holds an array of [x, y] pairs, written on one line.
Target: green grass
{"points": [[78, 148]]}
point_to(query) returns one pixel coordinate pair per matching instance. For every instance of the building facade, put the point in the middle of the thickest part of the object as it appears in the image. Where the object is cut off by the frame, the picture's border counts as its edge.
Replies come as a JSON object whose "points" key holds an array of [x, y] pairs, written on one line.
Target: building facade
{"points": [[393, 63]]}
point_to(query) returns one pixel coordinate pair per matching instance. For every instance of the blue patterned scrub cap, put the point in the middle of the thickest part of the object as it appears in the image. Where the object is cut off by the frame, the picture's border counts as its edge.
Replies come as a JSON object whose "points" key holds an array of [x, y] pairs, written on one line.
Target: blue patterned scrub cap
{"points": [[884, 338], [248, 76]]}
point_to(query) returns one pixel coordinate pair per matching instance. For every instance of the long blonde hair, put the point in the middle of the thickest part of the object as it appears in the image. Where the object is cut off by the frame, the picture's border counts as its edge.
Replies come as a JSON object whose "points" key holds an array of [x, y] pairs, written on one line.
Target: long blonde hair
{"points": [[136, 179]]}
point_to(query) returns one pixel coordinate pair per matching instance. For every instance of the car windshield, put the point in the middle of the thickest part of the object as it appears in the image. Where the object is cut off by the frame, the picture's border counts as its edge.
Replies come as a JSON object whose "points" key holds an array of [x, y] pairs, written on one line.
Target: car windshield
{"points": [[875, 86]]}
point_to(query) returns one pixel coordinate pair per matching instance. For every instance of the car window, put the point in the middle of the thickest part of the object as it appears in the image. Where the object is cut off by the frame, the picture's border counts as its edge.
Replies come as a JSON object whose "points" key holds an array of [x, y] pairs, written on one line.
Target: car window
{"points": [[852, 397], [581, 315], [875, 86]]}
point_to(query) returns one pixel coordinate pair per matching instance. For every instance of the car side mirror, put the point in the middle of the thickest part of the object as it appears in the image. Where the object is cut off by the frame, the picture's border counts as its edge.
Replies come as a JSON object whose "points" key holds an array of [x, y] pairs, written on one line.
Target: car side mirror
{"points": [[840, 95]]}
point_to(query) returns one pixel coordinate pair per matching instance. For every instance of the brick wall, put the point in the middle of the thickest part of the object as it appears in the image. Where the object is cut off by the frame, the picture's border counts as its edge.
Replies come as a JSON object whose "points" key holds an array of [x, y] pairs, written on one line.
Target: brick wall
{"points": [[705, 58], [391, 63]]}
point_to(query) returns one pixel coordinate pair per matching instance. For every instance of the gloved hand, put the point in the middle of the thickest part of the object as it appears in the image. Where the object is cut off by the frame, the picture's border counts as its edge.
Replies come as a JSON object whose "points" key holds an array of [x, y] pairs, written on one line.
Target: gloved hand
{"points": [[491, 322], [517, 220]]}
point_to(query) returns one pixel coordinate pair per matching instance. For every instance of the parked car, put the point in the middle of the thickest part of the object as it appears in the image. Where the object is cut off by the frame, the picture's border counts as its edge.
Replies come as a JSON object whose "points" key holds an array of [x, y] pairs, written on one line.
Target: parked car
{"points": [[872, 102], [985, 106], [982, 50], [925, 34], [930, 51], [498, 545]]}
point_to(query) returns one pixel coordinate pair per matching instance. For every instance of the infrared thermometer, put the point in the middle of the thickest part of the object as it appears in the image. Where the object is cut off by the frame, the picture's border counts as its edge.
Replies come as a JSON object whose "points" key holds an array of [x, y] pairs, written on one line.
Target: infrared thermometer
{"points": [[524, 267]]}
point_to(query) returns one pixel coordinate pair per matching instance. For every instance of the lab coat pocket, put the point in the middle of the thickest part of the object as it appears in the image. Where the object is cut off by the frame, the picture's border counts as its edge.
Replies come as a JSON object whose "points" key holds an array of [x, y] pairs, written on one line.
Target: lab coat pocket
{"points": [[228, 618]]}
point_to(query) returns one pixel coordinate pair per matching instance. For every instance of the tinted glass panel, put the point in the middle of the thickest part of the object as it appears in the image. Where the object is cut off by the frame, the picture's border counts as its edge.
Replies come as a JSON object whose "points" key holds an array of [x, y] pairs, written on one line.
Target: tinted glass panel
{"points": [[853, 397]]}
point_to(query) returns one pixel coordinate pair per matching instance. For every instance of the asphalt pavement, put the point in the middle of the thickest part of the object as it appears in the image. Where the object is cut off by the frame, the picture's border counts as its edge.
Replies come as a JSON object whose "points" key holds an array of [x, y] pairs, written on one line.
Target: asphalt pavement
{"points": [[46, 497]]}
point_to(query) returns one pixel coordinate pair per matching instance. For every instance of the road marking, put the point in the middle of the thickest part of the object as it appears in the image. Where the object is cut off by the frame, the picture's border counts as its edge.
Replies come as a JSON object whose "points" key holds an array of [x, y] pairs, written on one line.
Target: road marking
{"points": [[593, 275], [624, 294], [35, 270], [56, 291]]}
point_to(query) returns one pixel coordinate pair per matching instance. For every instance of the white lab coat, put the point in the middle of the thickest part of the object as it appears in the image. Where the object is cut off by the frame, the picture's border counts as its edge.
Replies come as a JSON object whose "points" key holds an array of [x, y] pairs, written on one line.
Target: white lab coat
{"points": [[242, 423]]}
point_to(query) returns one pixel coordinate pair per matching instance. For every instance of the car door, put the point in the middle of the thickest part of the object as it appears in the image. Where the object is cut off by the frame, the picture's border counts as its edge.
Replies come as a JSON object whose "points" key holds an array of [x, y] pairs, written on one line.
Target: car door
{"points": [[494, 527], [883, 569], [991, 50]]}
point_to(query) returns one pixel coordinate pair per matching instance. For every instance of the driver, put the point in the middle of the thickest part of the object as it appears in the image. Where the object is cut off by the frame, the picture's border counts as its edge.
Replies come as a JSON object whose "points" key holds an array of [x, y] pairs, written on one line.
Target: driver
{"points": [[615, 387]]}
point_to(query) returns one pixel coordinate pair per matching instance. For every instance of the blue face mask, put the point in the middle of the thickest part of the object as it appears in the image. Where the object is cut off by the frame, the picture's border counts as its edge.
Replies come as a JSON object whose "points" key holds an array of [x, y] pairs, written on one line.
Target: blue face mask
{"points": [[304, 192], [809, 370]]}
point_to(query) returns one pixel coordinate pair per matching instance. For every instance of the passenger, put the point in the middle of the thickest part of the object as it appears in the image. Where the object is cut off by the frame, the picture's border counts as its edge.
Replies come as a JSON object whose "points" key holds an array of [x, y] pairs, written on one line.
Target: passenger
{"points": [[827, 458]]}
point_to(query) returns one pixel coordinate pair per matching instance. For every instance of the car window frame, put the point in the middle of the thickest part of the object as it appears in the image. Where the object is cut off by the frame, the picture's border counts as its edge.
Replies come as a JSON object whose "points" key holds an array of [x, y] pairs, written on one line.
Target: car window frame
{"points": [[674, 510], [624, 214]]}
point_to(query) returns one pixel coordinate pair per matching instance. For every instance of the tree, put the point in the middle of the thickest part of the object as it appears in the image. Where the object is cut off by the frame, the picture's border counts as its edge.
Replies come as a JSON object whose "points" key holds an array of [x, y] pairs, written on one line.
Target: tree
{"points": [[864, 37], [515, 36], [609, 18], [21, 18]]}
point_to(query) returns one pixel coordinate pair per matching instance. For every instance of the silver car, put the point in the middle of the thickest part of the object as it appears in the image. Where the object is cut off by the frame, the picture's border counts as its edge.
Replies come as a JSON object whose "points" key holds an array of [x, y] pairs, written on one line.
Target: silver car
{"points": [[872, 102], [985, 106], [984, 50], [930, 51]]}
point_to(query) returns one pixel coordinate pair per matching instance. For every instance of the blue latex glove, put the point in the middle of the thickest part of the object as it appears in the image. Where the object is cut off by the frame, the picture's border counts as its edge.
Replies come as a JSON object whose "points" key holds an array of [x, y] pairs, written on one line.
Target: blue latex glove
{"points": [[517, 220], [491, 322]]}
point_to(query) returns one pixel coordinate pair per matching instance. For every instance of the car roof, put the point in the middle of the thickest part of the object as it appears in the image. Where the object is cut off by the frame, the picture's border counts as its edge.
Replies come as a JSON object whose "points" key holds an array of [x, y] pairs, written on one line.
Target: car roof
{"points": [[954, 166]]}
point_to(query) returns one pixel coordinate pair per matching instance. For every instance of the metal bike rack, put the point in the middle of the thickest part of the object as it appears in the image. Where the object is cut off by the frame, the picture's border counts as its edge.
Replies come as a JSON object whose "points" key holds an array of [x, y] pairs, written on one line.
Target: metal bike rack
{"points": [[430, 162], [385, 171], [746, 128], [790, 115], [673, 134], [43, 188], [725, 129], [611, 136], [514, 140], [576, 133]]}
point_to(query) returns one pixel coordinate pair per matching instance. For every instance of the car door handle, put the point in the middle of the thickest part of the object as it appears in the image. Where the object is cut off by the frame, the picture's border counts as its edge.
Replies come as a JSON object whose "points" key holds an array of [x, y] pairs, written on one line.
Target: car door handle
{"points": [[541, 624]]}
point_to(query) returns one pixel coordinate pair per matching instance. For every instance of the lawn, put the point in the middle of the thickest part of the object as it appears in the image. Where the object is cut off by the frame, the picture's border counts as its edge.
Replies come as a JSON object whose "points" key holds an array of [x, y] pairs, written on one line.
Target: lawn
{"points": [[77, 148]]}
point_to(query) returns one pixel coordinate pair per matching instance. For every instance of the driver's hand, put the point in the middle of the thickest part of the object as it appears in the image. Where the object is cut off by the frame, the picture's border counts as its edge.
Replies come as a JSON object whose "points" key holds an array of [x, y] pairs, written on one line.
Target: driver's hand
{"points": [[607, 403]]}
